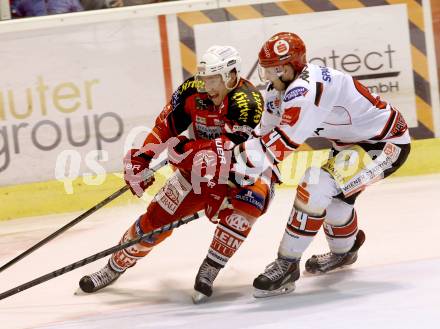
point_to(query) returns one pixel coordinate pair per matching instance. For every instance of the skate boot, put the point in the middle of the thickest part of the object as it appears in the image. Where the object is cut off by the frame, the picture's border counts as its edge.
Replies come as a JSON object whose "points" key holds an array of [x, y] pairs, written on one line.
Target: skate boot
{"points": [[330, 261], [278, 278], [98, 280], [208, 271]]}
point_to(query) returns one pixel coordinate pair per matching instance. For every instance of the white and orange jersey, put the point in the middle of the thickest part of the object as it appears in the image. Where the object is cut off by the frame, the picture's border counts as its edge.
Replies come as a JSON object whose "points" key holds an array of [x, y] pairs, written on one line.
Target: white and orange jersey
{"points": [[323, 102]]}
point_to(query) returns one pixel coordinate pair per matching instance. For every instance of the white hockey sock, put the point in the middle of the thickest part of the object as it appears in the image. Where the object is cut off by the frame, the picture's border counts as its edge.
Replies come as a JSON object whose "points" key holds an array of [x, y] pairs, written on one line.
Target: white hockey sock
{"points": [[341, 238], [300, 231]]}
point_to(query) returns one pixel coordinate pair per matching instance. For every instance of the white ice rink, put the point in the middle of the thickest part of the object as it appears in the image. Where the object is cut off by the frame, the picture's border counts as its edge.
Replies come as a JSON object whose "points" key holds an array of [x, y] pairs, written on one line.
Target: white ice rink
{"points": [[395, 283]]}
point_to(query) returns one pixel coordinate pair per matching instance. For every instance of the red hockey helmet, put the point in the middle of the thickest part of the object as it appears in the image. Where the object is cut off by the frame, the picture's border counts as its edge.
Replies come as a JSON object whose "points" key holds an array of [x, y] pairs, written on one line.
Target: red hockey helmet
{"points": [[283, 48]]}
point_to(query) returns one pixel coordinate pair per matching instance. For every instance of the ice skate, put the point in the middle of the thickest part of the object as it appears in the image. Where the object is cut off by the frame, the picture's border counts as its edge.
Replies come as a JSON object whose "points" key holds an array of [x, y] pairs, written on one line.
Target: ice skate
{"points": [[330, 261], [208, 271], [98, 280], [278, 278]]}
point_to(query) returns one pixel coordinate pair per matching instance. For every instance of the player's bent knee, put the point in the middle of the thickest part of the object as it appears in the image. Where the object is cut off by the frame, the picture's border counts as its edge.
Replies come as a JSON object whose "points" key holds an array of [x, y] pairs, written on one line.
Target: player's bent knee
{"points": [[338, 212], [310, 201], [314, 195], [147, 223], [251, 201], [236, 220]]}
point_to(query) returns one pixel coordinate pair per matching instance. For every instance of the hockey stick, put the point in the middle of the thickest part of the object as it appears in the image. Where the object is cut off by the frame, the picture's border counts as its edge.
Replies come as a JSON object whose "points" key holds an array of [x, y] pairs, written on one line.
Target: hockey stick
{"points": [[76, 220], [97, 256]]}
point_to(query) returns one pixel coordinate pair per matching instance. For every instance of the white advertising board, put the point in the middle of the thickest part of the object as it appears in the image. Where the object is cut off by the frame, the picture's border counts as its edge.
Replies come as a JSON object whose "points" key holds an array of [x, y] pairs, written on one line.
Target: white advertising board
{"points": [[81, 88], [362, 42]]}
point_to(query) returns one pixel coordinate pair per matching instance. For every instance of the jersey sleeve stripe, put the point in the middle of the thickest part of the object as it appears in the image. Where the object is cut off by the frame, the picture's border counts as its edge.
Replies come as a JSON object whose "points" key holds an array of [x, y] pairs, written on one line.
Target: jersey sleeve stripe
{"points": [[387, 127], [268, 153], [319, 90], [245, 158], [290, 143]]}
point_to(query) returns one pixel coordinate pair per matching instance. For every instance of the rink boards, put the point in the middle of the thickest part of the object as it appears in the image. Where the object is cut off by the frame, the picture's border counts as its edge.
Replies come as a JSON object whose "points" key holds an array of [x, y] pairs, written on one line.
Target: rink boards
{"points": [[70, 108]]}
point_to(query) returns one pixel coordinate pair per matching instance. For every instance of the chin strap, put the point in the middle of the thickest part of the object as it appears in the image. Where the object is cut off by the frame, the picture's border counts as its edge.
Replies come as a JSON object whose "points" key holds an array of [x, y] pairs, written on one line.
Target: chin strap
{"points": [[235, 85]]}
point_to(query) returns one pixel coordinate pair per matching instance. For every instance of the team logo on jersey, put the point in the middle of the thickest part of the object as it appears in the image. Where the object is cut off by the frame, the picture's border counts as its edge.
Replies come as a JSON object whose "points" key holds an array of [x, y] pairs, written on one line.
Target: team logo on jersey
{"points": [[295, 92], [281, 47]]}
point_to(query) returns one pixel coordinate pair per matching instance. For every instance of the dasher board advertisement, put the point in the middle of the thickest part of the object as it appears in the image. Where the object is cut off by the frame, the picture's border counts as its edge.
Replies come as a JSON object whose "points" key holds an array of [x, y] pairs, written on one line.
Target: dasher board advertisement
{"points": [[79, 90], [361, 42]]}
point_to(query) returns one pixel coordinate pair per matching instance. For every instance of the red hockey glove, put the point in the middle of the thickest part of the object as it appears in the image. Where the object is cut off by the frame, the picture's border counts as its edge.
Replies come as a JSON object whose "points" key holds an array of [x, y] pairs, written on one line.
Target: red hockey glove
{"points": [[136, 171], [208, 161], [186, 150]]}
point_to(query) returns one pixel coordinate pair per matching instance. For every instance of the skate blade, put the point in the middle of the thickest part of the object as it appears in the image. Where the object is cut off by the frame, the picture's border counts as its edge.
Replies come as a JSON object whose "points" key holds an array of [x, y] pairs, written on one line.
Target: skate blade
{"points": [[79, 292], [317, 273], [199, 298], [289, 287]]}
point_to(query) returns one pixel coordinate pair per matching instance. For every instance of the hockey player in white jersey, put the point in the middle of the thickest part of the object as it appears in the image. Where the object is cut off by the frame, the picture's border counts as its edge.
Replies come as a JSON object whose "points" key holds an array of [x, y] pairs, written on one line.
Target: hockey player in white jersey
{"points": [[370, 141]]}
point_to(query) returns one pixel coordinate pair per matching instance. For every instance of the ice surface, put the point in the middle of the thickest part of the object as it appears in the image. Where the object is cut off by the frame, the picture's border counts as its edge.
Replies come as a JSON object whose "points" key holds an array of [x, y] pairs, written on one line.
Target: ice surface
{"points": [[395, 283]]}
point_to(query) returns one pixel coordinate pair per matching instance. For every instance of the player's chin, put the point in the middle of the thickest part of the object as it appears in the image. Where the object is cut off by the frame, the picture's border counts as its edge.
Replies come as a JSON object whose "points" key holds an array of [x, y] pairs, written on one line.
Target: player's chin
{"points": [[215, 98]]}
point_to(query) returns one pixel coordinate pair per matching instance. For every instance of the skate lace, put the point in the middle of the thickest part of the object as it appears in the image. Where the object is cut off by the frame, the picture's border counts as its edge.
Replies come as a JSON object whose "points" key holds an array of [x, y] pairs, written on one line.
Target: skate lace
{"points": [[208, 273], [103, 276], [277, 269], [329, 259]]}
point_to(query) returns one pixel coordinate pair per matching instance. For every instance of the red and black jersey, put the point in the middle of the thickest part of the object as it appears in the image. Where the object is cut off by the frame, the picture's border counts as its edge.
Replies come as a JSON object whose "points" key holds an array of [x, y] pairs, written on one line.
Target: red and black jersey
{"points": [[239, 113]]}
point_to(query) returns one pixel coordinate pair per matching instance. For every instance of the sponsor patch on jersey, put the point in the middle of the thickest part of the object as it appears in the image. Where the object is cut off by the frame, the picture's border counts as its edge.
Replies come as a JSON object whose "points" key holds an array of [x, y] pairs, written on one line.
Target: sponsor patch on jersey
{"points": [[200, 104], [190, 84], [370, 171], [305, 75], [200, 119], [238, 222], [399, 127], [219, 122], [242, 101], [273, 105], [290, 116], [173, 193], [392, 151], [295, 92], [242, 129], [248, 196], [208, 132], [326, 76]]}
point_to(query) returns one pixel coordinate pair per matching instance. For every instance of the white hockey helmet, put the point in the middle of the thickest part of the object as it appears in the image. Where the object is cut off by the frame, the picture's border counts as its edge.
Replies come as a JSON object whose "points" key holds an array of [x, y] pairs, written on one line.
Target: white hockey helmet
{"points": [[220, 60]]}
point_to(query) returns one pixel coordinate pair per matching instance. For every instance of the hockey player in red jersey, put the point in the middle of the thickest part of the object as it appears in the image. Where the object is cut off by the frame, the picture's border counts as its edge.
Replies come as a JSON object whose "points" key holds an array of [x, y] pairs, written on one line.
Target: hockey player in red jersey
{"points": [[370, 141], [216, 103]]}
